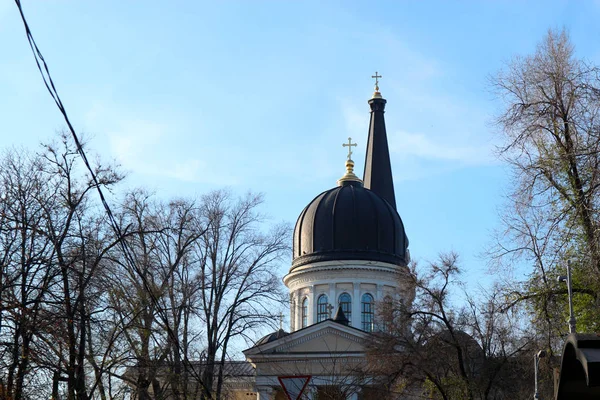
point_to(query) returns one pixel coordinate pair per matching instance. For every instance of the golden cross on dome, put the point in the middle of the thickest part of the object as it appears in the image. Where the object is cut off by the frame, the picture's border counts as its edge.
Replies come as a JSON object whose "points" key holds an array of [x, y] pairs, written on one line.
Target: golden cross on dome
{"points": [[349, 146], [376, 76]]}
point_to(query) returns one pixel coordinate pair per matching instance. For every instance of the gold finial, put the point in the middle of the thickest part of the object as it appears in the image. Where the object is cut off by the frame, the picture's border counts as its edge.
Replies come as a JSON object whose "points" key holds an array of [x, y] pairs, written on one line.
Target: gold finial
{"points": [[349, 146], [349, 175], [376, 76]]}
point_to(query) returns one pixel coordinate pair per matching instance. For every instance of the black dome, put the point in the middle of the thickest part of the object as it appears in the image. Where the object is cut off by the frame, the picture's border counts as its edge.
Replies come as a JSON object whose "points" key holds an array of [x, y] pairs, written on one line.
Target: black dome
{"points": [[349, 222], [271, 337]]}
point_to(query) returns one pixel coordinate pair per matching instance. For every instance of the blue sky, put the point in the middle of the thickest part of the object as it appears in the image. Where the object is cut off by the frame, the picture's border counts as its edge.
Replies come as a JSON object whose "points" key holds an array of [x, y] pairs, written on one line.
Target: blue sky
{"points": [[190, 96]]}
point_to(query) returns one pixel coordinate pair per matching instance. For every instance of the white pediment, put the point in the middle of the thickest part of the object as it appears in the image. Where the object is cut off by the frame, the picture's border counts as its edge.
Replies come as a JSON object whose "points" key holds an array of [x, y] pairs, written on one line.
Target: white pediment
{"points": [[324, 349], [327, 337]]}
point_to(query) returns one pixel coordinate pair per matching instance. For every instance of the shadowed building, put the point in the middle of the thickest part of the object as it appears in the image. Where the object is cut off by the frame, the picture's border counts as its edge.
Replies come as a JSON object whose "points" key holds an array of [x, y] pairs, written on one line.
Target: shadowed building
{"points": [[350, 252], [579, 374]]}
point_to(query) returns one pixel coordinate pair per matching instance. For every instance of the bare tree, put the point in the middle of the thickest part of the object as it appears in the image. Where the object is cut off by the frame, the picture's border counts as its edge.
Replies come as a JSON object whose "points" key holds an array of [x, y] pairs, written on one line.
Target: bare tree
{"points": [[551, 139], [77, 308], [470, 352], [204, 273], [153, 297], [25, 274], [238, 269], [52, 243], [80, 240]]}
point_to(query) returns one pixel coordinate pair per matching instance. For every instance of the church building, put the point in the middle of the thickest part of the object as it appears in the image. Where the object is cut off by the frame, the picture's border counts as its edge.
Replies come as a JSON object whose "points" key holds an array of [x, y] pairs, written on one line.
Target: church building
{"points": [[350, 253]]}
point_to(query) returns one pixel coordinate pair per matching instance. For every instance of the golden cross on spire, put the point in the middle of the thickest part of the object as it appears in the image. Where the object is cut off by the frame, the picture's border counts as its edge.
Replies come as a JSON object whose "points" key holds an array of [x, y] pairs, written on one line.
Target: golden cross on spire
{"points": [[376, 76], [349, 146]]}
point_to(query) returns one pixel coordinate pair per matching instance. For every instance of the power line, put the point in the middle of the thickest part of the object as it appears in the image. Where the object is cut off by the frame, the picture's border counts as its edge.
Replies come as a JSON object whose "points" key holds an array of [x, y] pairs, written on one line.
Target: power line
{"points": [[49, 83]]}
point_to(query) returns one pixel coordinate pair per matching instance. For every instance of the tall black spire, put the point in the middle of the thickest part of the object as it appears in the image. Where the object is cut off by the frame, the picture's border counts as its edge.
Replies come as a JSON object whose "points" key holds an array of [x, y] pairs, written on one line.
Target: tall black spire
{"points": [[378, 169]]}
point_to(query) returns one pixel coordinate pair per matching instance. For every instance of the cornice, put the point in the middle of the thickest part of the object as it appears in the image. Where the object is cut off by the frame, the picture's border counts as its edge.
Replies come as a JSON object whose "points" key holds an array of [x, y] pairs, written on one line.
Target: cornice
{"points": [[317, 334], [310, 331], [318, 272]]}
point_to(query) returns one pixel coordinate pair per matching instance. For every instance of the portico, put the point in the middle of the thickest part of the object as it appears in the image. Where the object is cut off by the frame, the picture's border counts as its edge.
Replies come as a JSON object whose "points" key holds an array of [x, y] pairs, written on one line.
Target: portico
{"points": [[331, 352]]}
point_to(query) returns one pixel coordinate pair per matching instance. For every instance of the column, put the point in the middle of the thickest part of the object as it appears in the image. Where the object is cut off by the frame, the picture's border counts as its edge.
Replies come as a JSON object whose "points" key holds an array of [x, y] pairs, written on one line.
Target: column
{"points": [[377, 316], [292, 304], [312, 306], [297, 312], [264, 393], [379, 293], [332, 299], [356, 306]]}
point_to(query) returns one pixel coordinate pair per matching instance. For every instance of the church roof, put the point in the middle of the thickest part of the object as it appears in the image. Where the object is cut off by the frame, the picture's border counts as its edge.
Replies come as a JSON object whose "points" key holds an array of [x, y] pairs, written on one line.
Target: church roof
{"points": [[271, 337], [237, 369], [356, 221], [340, 317], [349, 222], [378, 168]]}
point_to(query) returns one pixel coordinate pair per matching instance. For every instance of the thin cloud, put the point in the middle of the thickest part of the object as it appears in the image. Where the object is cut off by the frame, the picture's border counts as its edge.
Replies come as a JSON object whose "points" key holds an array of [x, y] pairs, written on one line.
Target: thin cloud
{"points": [[456, 147], [147, 148], [407, 144], [4, 6]]}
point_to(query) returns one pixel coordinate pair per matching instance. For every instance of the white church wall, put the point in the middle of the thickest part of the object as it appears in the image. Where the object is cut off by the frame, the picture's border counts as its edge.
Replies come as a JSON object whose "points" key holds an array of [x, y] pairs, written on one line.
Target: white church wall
{"points": [[334, 278]]}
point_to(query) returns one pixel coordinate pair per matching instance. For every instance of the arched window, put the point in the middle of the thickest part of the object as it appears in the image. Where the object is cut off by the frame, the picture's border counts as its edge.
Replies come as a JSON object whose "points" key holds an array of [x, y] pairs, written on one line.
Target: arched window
{"points": [[367, 313], [345, 302], [322, 311], [305, 312]]}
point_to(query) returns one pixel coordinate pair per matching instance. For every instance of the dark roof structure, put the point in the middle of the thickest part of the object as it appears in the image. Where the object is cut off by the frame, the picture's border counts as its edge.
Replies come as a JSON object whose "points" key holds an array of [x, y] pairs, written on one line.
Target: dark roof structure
{"points": [[349, 222], [378, 168], [236, 369], [580, 368], [354, 221], [271, 337], [340, 317]]}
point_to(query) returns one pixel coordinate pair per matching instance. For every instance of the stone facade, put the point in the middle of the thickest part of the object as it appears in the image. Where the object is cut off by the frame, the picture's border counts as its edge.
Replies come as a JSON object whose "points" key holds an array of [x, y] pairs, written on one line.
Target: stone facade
{"points": [[333, 279]]}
